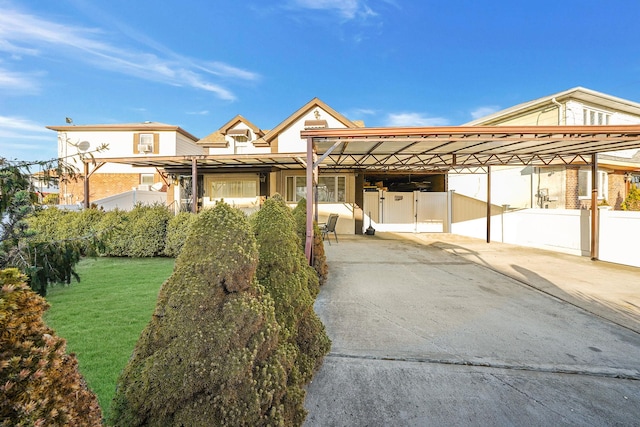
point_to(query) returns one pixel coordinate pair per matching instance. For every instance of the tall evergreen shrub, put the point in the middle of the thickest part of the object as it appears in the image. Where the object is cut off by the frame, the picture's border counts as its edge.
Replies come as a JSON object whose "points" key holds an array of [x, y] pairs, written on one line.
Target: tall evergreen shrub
{"points": [[319, 260], [210, 354], [293, 285], [39, 383], [632, 201]]}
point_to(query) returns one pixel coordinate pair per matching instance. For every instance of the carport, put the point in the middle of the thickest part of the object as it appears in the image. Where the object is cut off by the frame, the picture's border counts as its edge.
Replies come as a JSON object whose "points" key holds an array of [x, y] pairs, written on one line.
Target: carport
{"points": [[459, 148]]}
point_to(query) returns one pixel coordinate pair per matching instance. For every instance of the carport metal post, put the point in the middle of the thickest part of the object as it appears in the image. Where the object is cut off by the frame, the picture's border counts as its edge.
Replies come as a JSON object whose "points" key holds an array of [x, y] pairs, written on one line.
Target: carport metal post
{"points": [[309, 165], [595, 228], [87, 204], [194, 185], [488, 204]]}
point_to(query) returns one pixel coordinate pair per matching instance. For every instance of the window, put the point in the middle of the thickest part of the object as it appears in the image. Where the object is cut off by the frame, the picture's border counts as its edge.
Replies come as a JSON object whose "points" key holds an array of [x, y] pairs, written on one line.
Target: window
{"points": [[146, 178], [234, 188], [593, 117], [146, 143], [584, 184], [331, 189]]}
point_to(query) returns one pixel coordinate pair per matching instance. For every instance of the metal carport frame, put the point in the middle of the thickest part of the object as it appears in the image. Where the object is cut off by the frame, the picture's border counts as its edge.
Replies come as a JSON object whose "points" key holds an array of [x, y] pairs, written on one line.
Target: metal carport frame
{"points": [[452, 148]]}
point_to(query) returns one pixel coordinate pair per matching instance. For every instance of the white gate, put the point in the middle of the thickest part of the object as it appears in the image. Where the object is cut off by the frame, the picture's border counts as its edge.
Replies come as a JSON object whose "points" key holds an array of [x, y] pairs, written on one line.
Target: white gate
{"points": [[407, 211]]}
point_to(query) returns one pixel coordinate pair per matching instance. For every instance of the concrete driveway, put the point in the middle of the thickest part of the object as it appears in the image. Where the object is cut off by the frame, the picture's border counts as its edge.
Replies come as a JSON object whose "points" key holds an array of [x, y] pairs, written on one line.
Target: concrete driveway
{"points": [[441, 330]]}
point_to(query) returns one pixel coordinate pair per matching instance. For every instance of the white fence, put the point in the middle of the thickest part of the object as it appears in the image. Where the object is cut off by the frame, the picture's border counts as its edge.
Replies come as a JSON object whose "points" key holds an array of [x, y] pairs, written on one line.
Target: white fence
{"points": [[562, 230]]}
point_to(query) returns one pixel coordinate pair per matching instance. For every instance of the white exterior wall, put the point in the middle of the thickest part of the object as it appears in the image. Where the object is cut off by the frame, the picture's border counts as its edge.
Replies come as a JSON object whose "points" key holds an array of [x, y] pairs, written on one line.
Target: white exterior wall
{"points": [[289, 139], [120, 144]]}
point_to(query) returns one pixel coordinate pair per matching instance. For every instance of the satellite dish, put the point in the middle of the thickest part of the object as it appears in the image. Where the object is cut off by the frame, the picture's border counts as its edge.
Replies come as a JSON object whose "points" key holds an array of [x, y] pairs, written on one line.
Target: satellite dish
{"points": [[84, 145]]}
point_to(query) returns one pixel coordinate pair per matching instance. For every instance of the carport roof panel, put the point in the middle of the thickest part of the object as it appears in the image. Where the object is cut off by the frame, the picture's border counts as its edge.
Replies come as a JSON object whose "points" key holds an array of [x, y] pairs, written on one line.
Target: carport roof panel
{"points": [[283, 161], [470, 144]]}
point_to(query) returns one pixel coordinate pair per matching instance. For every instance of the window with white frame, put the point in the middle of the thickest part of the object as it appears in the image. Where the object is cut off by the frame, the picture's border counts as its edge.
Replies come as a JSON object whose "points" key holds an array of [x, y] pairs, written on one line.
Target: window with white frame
{"points": [[584, 184], [595, 117], [145, 143], [331, 188]]}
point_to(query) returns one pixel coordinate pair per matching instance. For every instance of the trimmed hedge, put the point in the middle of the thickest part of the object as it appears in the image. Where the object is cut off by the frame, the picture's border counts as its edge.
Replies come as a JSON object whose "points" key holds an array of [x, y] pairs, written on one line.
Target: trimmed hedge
{"points": [[177, 232], [39, 383]]}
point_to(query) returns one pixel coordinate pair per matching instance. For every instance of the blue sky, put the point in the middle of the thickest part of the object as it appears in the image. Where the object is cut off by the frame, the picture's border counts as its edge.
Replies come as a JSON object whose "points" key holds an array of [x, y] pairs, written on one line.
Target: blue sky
{"points": [[198, 63]]}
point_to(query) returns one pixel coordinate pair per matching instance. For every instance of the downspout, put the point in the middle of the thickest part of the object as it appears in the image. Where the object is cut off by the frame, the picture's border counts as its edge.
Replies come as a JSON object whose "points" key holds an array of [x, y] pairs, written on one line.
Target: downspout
{"points": [[560, 121]]}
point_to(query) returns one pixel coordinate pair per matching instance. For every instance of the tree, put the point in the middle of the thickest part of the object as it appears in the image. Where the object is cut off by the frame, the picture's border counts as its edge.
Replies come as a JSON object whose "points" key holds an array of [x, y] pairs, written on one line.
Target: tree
{"points": [[632, 202], [40, 384], [42, 261]]}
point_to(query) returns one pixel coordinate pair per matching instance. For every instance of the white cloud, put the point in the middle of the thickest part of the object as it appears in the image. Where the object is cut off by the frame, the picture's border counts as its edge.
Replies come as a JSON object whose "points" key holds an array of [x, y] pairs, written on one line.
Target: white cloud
{"points": [[414, 119], [347, 9], [484, 111], [18, 82], [363, 112], [27, 34], [16, 126], [198, 113], [18, 135]]}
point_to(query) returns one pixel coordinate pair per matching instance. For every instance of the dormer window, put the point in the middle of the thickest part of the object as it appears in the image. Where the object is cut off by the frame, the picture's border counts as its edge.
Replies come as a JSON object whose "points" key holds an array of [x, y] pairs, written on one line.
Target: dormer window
{"points": [[240, 139]]}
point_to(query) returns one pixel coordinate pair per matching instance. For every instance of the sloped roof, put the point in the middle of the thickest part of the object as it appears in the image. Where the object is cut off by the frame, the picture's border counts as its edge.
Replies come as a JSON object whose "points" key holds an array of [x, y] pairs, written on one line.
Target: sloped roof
{"points": [[239, 119], [314, 103], [215, 139], [444, 148], [124, 127], [580, 93]]}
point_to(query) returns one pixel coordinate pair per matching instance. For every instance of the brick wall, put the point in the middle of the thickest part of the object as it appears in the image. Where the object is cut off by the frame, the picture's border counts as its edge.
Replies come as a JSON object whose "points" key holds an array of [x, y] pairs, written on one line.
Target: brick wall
{"points": [[101, 185], [572, 200], [617, 190]]}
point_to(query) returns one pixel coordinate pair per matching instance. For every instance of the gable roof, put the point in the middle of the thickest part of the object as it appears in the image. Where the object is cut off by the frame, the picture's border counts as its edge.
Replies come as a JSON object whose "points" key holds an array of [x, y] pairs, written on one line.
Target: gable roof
{"points": [[579, 93], [124, 127], [314, 103], [217, 139], [239, 119]]}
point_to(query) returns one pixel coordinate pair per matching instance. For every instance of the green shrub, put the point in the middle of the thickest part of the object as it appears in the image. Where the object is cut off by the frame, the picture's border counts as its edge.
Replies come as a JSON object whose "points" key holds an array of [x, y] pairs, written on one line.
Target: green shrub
{"points": [[210, 354], [285, 274], [114, 229], [632, 201], [39, 383], [51, 199], [177, 231], [148, 230], [319, 259]]}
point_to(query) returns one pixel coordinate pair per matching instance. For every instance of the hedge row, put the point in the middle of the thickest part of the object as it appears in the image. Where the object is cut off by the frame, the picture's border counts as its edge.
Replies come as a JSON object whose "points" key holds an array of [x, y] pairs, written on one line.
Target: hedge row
{"points": [[145, 231]]}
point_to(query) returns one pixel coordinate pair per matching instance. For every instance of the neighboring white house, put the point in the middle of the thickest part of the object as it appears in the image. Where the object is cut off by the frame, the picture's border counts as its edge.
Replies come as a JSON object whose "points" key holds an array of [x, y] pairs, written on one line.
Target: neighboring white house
{"points": [[132, 140], [558, 186]]}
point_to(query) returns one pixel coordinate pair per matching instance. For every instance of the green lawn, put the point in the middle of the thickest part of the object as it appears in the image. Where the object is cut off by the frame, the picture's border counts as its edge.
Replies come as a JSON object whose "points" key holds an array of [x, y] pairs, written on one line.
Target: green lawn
{"points": [[102, 316]]}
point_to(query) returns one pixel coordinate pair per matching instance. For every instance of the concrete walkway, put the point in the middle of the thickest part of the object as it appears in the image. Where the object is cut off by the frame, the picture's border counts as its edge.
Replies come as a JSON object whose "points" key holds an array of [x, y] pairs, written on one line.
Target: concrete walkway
{"points": [[437, 329]]}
